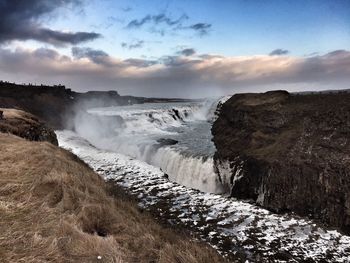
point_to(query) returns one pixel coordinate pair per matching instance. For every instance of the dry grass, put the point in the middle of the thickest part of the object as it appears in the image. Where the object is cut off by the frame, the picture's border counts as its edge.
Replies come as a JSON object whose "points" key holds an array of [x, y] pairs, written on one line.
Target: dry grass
{"points": [[25, 125], [54, 208]]}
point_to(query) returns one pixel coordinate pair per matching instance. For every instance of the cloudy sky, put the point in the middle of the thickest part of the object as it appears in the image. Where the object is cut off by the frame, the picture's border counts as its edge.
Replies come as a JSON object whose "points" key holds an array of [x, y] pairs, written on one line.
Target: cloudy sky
{"points": [[177, 48]]}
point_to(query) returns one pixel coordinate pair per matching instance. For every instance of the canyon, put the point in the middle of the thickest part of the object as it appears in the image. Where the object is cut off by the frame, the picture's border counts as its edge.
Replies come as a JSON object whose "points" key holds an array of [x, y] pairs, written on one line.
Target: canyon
{"points": [[267, 169]]}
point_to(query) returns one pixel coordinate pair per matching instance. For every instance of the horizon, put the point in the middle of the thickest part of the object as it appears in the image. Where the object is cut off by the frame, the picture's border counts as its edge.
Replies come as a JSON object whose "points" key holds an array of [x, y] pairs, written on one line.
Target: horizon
{"points": [[178, 49], [37, 85]]}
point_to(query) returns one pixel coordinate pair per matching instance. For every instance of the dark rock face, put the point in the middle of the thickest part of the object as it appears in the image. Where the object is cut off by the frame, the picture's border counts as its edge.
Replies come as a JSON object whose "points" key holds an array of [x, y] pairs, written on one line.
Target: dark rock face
{"points": [[287, 153], [167, 141], [51, 104]]}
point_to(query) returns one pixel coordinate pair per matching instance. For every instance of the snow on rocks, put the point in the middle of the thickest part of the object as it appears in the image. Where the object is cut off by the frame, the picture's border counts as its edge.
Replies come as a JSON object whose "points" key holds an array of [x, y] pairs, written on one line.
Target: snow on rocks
{"points": [[238, 230]]}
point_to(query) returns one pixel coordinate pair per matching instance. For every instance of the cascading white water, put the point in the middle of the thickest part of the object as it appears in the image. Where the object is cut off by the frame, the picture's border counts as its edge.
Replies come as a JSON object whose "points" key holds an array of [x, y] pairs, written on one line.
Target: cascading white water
{"points": [[172, 136], [195, 172]]}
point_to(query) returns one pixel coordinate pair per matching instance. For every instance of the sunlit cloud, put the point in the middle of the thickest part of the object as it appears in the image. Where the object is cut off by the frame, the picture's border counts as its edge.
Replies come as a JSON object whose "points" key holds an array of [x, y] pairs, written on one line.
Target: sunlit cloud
{"points": [[174, 75]]}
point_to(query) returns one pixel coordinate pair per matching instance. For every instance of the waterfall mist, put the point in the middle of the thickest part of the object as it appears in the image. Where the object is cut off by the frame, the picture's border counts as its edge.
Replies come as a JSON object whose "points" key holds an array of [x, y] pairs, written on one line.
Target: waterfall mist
{"points": [[175, 137]]}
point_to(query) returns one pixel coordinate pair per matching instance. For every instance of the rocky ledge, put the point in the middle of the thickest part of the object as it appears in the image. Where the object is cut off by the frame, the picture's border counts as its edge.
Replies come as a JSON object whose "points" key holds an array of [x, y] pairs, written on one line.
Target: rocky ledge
{"points": [[25, 125], [288, 153]]}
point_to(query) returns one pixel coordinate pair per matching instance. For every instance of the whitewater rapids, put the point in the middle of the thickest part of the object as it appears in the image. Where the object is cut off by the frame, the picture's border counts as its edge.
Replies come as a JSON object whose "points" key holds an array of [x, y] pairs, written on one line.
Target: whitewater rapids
{"points": [[176, 137]]}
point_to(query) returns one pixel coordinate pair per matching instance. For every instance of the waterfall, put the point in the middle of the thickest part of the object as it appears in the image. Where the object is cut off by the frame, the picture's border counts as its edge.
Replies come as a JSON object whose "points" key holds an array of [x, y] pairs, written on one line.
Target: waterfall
{"points": [[195, 172], [156, 133]]}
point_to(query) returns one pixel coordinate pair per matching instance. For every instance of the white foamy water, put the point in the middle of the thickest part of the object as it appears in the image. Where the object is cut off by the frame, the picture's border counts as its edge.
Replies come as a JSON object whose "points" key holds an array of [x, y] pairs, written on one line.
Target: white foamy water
{"points": [[176, 137], [238, 230]]}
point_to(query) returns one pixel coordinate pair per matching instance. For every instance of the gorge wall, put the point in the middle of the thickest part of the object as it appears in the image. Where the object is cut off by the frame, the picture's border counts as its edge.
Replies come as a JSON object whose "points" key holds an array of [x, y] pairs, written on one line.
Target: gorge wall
{"points": [[287, 152]]}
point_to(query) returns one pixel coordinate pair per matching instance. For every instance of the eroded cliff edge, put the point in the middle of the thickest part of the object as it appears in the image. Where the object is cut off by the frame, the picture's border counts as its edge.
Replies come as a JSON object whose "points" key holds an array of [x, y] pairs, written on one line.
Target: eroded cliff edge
{"points": [[287, 153]]}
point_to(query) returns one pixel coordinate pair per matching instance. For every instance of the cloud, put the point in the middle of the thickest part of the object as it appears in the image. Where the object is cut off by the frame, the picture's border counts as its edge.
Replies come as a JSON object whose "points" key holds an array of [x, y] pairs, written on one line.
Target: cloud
{"points": [[161, 18], [187, 52], [96, 56], [20, 20], [141, 63], [279, 52], [179, 76], [133, 45], [173, 24], [201, 28], [312, 54], [57, 37], [138, 23]]}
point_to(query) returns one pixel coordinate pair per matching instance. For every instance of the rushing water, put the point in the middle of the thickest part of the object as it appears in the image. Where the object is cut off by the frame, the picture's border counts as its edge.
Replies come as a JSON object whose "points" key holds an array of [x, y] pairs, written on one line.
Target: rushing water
{"points": [[176, 137]]}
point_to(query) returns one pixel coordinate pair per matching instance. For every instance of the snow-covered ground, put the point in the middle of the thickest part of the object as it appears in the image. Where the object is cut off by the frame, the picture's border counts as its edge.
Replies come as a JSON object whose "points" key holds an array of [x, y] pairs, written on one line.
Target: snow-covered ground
{"points": [[235, 228]]}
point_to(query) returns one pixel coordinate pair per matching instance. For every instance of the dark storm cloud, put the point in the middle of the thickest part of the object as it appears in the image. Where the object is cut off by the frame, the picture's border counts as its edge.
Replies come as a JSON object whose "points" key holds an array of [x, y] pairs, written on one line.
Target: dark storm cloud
{"points": [[133, 45], [20, 20], [161, 18], [187, 52], [279, 52], [58, 37]]}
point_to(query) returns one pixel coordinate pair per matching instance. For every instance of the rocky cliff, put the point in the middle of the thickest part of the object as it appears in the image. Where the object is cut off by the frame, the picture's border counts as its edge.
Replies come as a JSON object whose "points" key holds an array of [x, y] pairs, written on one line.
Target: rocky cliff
{"points": [[287, 153]]}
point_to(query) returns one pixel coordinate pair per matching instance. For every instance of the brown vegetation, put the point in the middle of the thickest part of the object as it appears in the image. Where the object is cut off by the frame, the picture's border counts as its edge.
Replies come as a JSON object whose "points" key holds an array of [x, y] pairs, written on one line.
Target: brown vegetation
{"points": [[54, 208], [25, 125]]}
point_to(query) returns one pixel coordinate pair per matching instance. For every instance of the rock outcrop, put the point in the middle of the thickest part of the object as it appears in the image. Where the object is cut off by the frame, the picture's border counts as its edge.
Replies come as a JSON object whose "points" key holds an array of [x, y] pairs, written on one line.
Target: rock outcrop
{"points": [[25, 125], [49, 103], [287, 153]]}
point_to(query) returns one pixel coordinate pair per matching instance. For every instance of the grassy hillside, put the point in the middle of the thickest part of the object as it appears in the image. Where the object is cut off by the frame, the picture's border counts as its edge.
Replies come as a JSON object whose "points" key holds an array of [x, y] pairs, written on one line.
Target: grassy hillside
{"points": [[54, 208], [25, 125]]}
